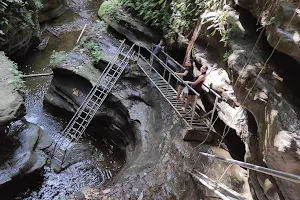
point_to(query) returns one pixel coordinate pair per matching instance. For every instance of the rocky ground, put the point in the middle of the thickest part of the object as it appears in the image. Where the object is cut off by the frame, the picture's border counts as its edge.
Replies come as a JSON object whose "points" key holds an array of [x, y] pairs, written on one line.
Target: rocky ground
{"points": [[268, 121]]}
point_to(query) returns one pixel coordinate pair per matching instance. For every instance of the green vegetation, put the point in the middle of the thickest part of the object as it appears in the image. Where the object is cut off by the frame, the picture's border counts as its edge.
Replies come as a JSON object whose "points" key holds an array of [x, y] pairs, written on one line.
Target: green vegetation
{"points": [[19, 14], [178, 17], [94, 49], [18, 81], [57, 58], [133, 67], [107, 7], [226, 55]]}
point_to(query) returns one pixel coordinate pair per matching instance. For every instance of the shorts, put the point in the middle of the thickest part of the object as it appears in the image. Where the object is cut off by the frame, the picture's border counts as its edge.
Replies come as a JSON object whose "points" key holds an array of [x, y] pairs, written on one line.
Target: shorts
{"points": [[191, 93], [181, 84]]}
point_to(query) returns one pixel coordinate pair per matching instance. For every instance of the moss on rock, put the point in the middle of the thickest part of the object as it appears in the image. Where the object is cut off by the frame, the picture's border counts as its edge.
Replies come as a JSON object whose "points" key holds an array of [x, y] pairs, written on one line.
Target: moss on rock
{"points": [[107, 7]]}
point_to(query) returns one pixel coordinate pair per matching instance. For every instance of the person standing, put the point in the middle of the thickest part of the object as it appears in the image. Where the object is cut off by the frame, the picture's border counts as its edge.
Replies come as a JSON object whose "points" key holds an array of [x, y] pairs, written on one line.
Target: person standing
{"points": [[187, 76], [196, 85], [161, 45]]}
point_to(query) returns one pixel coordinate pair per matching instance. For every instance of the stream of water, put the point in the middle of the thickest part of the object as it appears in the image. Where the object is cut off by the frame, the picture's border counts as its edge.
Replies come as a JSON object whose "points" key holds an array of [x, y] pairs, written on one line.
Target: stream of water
{"points": [[104, 158]]}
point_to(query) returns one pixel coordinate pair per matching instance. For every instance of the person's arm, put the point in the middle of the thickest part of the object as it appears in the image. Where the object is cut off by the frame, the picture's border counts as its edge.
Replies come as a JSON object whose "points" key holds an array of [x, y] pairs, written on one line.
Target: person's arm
{"points": [[183, 74], [199, 80]]}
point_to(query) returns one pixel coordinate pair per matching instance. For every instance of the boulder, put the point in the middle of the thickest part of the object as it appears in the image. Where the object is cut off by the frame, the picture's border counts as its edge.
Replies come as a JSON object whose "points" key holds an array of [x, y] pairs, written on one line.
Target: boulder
{"points": [[282, 23], [12, 103], [51, 9], [28, 157], [134, 29]]}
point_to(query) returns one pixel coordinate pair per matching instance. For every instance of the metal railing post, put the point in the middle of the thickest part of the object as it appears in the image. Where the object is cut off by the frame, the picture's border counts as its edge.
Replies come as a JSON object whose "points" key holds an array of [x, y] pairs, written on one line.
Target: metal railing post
{"points": [[193, 109], [213, 110], [165, 68], [279, 174], [151, 56], [169, 79], [139, 52]]}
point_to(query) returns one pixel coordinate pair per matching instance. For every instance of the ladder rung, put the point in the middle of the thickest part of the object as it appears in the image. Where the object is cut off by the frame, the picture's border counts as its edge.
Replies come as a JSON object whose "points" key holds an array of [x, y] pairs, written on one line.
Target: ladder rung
{"points": [[58, 159], [83, 119], [71, 136], [59, 151]]}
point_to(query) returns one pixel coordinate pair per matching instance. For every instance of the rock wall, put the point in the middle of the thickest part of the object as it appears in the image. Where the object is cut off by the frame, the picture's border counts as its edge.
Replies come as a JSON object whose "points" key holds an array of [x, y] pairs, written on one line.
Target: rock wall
{"points": [[134, 29], [22, 28], [51, 9], [12, 103], [268, 120], [282, 23]]}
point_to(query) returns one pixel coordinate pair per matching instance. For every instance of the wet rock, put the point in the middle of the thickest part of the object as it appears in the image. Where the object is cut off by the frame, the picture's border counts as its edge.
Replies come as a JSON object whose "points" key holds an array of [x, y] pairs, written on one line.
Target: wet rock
{"points": [[12, 103], [51, 9], [21, 31], [136, 30], [281, 22], [28, 157], [197, 135], [269, 118], [74, 75]]}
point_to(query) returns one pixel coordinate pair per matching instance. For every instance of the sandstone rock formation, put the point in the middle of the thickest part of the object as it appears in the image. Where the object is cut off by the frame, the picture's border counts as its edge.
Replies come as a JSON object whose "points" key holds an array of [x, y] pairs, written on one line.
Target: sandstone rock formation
{"points": [[131, 27], [51, 9], [282, 23], [12, 103], [28, 156], [268, 121]]}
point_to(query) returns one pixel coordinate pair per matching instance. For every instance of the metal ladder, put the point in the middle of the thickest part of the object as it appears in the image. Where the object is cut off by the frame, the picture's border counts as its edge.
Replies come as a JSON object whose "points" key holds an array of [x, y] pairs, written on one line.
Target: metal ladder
{"points": [[87, 110]]}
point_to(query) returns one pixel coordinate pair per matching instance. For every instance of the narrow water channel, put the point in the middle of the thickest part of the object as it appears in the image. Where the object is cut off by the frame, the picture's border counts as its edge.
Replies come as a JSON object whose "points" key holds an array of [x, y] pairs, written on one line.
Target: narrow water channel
{"points": [[100, 157]]}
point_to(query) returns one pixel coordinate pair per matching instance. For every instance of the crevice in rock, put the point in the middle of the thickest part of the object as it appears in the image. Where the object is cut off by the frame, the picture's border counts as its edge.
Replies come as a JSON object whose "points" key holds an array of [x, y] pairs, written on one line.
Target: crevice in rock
{"points": [[283, 65]]}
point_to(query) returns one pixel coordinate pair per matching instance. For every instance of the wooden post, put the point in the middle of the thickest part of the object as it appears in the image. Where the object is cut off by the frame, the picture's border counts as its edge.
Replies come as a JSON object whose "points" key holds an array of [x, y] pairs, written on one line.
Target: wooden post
{"points": [[193, 40], [81, 34]]}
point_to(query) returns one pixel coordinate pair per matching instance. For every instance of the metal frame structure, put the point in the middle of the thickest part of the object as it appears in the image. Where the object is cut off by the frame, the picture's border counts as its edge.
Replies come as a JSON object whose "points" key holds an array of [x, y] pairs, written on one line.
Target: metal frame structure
{"points": [[162, 82], [87, 110]]}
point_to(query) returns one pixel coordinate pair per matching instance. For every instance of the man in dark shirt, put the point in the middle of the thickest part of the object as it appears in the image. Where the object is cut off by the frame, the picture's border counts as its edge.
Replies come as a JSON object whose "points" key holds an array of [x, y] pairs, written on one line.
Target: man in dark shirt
{"points": [[187, 76]]}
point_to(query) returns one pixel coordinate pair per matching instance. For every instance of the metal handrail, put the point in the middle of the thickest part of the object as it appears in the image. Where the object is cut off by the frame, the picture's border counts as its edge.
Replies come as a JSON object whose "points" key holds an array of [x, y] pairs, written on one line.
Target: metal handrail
{"points": [[170, 70], [272, 172], [172, 59]]}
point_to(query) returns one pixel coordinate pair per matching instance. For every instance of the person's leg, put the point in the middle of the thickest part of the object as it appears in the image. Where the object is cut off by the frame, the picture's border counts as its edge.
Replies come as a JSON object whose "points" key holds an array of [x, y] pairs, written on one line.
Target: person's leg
{"points": [[179, 91], [184, 96], [188, 101]]}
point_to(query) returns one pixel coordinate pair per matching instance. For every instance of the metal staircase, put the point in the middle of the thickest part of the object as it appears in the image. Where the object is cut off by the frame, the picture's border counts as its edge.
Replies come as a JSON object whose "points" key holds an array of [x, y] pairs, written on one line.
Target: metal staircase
{"points": [[194, 116], [191, 118], [85, 113]]}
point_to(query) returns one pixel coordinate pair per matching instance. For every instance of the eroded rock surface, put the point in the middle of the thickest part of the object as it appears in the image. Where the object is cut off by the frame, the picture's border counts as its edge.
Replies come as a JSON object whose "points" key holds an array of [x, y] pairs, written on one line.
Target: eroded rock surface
{"points": [[27, 156], [21, 31], [131, 27], [268, 121], [51, 9], [282, 23], [12, 103]]}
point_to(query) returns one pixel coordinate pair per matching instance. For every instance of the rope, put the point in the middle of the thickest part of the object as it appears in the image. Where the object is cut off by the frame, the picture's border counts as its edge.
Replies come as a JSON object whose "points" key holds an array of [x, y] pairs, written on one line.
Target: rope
{"points": [[264, 66]]}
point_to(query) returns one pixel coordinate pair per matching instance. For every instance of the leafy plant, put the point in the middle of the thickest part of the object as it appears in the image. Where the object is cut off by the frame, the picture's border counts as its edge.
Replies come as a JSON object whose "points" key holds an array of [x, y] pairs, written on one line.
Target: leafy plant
{"points": [[18, 81], [226, 55], [57, 58], [38, 4], [19, 14], [173, 17], [94, 49]]}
